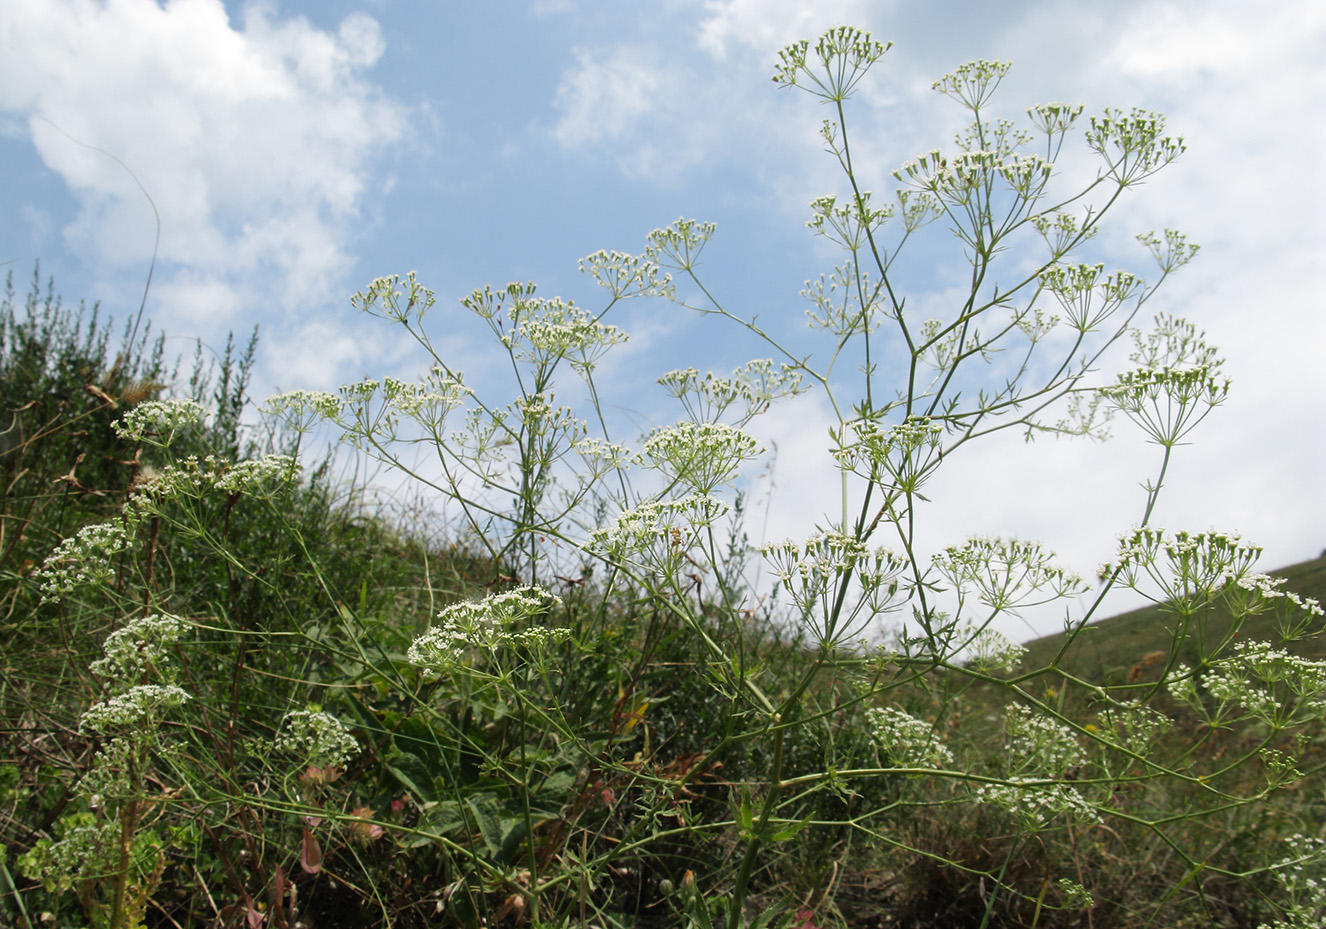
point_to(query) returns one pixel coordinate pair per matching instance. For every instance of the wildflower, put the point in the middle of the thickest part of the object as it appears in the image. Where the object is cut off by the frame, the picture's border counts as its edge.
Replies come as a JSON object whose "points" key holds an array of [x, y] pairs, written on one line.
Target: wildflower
{"points": [[908, 451], [135, 708], [627, 275], [302, 408], [701, 456], [1187, 567], [318, 737], [1036, 803], [158, 418], [557, 328], [908, 741], [1004, 573], [139, 645], [657, 533], [1039, 743], [991, 650], [83, 559], [485, 624]]}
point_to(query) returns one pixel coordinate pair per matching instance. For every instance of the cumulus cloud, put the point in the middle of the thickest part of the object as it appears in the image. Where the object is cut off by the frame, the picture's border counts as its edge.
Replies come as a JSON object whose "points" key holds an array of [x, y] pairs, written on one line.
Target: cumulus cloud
{"points": [[765, 26], [255, 142], [606, 95]]}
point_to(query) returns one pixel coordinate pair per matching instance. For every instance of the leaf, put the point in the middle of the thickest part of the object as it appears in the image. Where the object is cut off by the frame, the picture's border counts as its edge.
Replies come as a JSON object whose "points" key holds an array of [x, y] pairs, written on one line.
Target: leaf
{"points": [[486, 816], [782, 835], [414, 775], [310, 853]]}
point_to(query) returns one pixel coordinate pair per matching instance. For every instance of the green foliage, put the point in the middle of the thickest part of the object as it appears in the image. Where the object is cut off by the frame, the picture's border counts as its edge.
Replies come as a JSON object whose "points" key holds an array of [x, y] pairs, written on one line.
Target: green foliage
{"points": [[245, 695]]}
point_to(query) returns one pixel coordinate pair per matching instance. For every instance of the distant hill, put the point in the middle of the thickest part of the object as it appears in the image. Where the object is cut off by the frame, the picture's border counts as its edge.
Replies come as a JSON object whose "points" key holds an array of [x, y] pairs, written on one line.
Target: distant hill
{"points": [[1111, 650]]}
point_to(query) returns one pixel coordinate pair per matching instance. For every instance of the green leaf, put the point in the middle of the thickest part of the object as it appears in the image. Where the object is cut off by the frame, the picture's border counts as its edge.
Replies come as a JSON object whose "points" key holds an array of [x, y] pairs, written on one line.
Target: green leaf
{"points": [[414, 775]]}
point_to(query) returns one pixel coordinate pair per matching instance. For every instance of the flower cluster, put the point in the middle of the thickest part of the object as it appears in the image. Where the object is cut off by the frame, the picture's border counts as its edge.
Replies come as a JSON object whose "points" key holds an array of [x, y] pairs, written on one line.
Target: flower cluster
{"points": [[556, 328], [1039, 743], [907, 741], [657, 534], [135, 708], [138, 646], [1036, 802], [1167, 403], [1077, 287], [601, 455], [957, 178], [1188, 568], [847, 224], [814, 570], [845, 54], [699, 456], [491, 623], [1174, 252], [302, 409], [751, 388], [990, 650], [1132, 144], [1134, 726], [83, 558], [1061, 231], [837, 302], [429, 402], [1300, 876], [679, 246], [191, 477], [158, 419], [1005, 573], [1266, 683], [317, 737], [382, 298], [627, 275], [972, 83], [908, 451], [1054, 118]]}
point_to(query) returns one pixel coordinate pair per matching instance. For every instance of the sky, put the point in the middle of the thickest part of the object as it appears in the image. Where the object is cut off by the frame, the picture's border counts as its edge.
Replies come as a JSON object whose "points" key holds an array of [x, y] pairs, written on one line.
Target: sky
{"points": [[294, 151]]}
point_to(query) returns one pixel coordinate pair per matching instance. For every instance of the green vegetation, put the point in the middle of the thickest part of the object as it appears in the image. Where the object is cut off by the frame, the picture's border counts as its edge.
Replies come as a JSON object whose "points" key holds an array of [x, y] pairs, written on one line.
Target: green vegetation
{"points": [[238, 691]]}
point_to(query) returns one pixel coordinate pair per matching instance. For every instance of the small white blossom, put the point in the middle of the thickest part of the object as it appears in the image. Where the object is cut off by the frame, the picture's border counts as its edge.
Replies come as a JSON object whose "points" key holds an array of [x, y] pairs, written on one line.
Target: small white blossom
{"points": [[991, 650], [1039, 743], [486, 624], [317, 737], [1006, 573], [1037, 804], [700, 456], [84, 558], [658, 533], [907, 741], [139, 645], [158, 418], [136, 707]]}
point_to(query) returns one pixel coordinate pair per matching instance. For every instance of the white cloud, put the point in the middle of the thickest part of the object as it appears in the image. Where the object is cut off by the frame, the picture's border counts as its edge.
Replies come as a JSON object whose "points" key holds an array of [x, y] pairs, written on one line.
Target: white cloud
{"points": [[764, 26], [254, 142], [606, 95]]}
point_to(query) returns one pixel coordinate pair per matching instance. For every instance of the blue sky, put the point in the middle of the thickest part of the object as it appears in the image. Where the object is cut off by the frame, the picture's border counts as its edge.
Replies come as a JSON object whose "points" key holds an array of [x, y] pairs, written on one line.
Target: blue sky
{"points": [[296, 150]]}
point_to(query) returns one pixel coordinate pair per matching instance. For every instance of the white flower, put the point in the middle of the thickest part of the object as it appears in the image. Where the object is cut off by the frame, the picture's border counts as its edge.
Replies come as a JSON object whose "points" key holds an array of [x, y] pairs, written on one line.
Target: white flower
{"points": [[658, 533], [158, 418], [135, 708], [140, 644], [908, 741], [84, 558], [485, 624], [1039, 743], [317, 737], [1036, 804], [699, 456]]}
